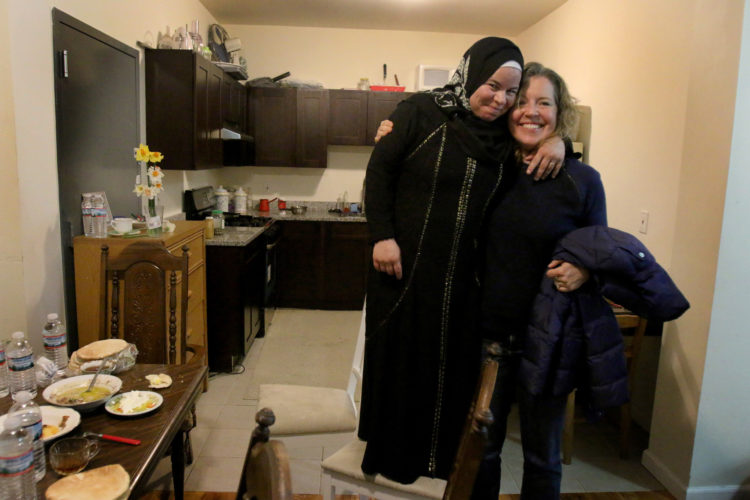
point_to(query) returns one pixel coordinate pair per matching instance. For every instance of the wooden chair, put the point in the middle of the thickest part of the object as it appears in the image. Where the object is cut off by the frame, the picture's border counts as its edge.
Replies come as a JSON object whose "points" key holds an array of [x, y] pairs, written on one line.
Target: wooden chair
{"points": [[141, 314], [342, 472], [265, 475], [316, 410], [627, 321]]}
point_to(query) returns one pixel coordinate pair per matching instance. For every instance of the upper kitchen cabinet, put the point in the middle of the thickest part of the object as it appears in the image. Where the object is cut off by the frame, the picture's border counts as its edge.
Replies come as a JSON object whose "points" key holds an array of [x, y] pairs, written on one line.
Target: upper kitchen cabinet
{"points": [[355, 115], [233, 104], [290, 126], [183, 109]]}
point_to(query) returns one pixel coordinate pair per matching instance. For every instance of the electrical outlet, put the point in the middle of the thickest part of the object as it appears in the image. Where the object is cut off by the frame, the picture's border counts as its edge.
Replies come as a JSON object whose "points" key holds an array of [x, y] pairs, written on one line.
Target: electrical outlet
{"points": [[643, 228]]}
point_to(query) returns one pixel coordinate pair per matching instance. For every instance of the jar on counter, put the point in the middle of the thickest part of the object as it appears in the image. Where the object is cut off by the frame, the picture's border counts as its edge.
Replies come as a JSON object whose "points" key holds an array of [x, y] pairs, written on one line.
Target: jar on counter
{"points": [[209, 227], [222, 200], [364, 84], [218, 217], [240, 201]]}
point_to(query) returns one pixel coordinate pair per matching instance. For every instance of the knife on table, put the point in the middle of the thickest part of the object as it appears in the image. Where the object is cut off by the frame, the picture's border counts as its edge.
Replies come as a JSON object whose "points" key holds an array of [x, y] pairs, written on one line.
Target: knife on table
{"points": [[113, 438]]}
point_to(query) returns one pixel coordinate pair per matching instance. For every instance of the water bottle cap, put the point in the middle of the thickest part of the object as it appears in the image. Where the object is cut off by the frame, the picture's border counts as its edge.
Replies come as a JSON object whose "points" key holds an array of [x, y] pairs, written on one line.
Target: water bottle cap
{"points": [[17, 335], [51, 316], [22, 396]]}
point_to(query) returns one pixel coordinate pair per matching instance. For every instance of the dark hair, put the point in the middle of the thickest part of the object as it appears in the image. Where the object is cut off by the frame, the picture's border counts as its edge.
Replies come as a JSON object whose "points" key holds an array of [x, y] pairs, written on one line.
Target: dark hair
{"points": [[567, 114]]}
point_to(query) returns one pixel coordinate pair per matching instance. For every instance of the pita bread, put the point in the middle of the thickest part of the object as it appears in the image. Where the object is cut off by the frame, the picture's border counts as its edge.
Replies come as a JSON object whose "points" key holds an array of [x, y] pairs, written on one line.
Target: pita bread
{"points": [[103, 483], [100, 349]]}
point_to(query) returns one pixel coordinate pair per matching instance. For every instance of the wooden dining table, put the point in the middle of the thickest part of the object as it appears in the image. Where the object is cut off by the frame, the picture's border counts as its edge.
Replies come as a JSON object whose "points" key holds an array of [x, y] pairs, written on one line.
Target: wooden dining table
{"points": [[156, 430]]}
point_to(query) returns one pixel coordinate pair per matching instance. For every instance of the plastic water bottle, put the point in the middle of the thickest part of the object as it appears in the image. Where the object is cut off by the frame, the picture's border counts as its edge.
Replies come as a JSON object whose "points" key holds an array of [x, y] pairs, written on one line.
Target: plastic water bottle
{"points": [[20, 360], [4, 390], [31, 420], [16, 461], [98, 217], [55, 342], [88, 223]]}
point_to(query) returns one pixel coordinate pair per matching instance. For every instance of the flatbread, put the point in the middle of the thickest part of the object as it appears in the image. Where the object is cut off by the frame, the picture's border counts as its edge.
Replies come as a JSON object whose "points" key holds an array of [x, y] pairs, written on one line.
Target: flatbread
{"points": [[100, 349], [103, 483]]}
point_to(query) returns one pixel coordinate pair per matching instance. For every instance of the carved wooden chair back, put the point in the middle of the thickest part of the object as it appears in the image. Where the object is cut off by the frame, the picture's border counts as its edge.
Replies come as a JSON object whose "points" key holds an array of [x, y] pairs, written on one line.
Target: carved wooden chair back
{"points": [[144, 273], [265, 475]]}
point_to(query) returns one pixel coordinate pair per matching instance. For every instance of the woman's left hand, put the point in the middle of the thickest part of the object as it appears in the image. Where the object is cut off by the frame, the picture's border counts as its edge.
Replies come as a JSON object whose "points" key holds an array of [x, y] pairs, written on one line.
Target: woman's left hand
{"points": [[548, 159], [567, 277]]}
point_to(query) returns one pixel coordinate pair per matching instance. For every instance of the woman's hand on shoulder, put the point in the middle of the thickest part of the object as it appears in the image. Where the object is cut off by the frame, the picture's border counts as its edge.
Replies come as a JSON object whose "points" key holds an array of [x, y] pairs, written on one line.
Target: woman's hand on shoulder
{"points": [[386, 257], [385, 128], [567, 277], [548, 159]]}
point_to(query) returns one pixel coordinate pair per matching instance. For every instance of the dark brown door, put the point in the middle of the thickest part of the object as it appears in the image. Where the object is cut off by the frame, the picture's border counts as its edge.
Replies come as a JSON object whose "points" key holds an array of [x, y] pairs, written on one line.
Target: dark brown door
{"points": [[96, 107], [312, 128], [380, 105], [347, 118], [346, 262], [275, 125]]}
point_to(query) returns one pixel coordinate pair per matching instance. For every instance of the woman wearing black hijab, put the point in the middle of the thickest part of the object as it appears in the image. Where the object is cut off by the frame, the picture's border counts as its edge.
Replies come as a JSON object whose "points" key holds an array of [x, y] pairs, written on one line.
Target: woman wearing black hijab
{"points": [[429, 183]]}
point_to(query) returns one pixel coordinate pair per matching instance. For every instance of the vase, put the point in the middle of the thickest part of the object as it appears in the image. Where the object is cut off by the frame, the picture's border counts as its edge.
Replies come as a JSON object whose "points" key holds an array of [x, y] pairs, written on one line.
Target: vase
{"points": [[154, 218]]}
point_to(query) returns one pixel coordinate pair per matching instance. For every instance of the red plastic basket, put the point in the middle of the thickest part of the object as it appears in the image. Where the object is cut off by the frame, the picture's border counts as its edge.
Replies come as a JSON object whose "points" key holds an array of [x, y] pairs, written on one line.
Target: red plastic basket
{"points": [[386, 88]]}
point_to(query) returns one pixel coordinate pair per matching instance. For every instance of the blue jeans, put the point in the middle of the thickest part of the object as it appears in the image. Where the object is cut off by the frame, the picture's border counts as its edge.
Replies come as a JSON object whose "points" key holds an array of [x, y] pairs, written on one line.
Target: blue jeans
{"points": [[542, 419]]}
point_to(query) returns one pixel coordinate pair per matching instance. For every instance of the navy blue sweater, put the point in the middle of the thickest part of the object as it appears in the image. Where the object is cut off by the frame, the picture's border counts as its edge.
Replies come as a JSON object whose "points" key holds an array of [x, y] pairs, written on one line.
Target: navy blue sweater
{"points": [[523, 228]]}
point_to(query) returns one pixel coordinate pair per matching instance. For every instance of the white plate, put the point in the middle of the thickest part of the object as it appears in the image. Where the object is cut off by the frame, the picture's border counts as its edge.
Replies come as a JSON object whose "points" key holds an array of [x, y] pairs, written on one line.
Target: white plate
{"points": [[53, 415], [110, 381], [153, 396]]}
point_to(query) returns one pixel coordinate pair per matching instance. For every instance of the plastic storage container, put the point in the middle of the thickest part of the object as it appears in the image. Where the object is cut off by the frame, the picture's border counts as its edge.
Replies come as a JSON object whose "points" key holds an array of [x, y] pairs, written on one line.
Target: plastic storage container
{"points": [[20, 360], [30, 416], [98, 217], [55, 339], [218, 216], [16, 462]]}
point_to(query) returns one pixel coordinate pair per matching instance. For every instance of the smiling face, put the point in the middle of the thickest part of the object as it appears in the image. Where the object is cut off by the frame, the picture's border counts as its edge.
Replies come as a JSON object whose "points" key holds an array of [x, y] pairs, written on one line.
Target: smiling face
{"points": [[496, 96], [535, 117]]}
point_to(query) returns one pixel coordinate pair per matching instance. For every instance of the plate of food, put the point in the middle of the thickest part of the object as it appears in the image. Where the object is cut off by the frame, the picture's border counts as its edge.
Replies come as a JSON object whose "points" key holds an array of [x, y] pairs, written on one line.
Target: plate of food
{"points": [[133, 403], [56, 421], [73, 391]]}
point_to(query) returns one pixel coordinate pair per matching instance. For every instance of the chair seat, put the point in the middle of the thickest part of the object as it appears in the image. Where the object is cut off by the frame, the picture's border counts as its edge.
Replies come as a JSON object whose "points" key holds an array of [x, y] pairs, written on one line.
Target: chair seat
{"points": [[348, 462], [308, 410]]}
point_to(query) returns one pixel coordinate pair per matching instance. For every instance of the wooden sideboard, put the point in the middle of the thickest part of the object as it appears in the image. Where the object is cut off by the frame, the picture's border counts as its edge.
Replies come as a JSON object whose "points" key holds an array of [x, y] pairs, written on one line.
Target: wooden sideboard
{"points": [[87, 258]]}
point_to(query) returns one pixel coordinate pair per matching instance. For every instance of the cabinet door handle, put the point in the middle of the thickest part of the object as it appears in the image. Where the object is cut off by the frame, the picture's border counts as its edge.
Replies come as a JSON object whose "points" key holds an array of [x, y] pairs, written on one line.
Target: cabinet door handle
{"points": [[190, 293], [189, 333]]}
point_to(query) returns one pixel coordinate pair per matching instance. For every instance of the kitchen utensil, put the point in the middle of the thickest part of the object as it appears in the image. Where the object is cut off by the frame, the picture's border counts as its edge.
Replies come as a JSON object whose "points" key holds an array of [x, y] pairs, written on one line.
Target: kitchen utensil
{"points": [[264, 206], [385, 73], [281, 76], [299, 209], [109, 437], [93, 380], [282, 205]]}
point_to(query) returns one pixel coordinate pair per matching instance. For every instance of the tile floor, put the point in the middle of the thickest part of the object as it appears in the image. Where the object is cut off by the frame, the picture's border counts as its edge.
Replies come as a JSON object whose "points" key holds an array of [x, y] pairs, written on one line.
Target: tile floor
{"points": [[226, 420]]}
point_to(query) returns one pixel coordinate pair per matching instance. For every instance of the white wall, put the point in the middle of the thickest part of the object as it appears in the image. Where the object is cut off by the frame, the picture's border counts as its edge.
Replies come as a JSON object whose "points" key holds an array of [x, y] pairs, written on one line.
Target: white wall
{"points": [[12, 304]]}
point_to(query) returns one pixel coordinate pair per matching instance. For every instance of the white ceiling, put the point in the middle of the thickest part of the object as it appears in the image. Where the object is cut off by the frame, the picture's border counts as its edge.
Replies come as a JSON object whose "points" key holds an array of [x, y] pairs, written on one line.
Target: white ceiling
{"points": [[484, 17]]}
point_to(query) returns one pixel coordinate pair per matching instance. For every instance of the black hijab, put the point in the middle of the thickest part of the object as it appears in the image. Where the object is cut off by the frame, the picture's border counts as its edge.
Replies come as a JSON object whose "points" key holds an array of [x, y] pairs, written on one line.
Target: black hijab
{"points": [[477, 65]]}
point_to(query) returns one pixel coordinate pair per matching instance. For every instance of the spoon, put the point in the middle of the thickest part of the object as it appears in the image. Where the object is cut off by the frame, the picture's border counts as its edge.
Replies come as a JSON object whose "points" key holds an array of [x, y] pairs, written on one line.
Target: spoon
{"points": [[93, 380]]}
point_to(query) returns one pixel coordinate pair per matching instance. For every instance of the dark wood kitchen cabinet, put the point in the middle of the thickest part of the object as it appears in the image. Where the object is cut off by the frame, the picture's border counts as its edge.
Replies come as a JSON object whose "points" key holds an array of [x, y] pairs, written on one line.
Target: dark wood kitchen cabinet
{"points": [[290, 126], [233, 104], [235, 293], [354, 115], [183, 109], [323, 265]]}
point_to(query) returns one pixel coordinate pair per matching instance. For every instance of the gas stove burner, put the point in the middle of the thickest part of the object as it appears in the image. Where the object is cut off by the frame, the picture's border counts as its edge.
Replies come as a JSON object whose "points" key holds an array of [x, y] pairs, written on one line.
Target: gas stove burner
{"points": [[237, 220]]}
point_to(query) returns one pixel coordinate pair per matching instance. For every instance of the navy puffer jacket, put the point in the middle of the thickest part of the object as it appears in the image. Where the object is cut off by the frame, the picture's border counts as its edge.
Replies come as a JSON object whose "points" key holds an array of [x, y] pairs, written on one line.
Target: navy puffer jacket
{"points": [[573, 339]]}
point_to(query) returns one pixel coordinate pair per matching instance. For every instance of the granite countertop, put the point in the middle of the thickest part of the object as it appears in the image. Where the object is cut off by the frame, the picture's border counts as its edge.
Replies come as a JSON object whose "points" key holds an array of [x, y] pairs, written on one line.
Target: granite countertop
{"points": [[235, 237], [316, 211]]}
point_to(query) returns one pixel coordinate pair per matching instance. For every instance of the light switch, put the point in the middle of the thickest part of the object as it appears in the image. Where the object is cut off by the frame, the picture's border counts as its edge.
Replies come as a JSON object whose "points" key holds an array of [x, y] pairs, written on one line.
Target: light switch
{"points": [[643, 228]]}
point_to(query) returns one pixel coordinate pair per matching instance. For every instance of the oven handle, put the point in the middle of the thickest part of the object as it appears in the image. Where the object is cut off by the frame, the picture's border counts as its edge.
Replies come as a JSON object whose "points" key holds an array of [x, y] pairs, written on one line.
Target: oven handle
{"points": [[272, 245]]}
